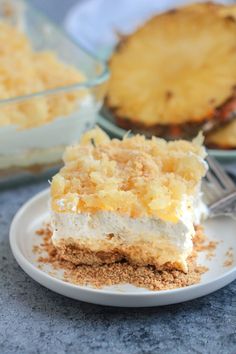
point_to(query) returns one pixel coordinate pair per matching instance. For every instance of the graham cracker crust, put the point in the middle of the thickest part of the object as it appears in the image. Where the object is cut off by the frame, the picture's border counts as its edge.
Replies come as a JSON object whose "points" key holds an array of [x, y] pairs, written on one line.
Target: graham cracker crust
{"points": [[134, 254], [119, 272], [81, 255]]}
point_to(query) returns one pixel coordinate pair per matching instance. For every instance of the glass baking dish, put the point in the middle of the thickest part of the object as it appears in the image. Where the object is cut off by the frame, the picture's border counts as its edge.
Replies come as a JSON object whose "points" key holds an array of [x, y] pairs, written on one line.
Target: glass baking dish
{"points": [[36, 150]]}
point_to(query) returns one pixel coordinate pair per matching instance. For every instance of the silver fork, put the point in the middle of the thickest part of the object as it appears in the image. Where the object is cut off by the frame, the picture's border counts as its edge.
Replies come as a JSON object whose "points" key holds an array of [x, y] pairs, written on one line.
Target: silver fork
{"points": [[219, 190]]}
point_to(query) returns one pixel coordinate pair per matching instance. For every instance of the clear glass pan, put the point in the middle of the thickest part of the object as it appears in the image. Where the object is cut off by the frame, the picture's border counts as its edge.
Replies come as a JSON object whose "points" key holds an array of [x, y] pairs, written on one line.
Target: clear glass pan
{"points": [[33, 151]]}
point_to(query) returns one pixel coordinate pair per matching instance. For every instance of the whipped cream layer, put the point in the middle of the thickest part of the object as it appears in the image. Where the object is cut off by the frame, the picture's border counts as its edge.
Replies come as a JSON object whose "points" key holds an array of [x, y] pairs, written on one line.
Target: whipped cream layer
{"points": [[98, 226], [82, 226], [45, 144]]}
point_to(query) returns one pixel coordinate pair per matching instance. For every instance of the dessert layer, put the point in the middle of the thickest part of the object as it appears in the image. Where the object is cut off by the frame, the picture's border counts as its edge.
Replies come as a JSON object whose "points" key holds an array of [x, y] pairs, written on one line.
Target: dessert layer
{"points": [[135, 176], [161, 255], [99, 226]]}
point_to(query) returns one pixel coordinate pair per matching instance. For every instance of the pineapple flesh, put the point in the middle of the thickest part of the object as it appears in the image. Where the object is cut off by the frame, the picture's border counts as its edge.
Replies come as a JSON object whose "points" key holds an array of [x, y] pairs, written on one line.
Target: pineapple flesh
{"points": [[179, 68]]}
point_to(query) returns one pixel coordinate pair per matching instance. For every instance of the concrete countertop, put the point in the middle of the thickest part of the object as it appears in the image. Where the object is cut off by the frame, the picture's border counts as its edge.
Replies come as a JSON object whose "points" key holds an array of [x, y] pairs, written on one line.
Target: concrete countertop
{"points": [[36, 320]]}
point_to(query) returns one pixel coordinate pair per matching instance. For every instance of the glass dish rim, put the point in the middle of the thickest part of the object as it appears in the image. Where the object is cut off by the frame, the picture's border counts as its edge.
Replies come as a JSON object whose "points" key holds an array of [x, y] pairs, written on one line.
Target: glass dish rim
{"points": [[97, 80]]}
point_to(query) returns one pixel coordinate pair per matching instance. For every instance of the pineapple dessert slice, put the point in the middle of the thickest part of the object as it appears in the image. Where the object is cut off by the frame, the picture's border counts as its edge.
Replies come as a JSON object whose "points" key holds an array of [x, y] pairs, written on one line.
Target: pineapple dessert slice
{"points": [[177, 73], [132, 199]]}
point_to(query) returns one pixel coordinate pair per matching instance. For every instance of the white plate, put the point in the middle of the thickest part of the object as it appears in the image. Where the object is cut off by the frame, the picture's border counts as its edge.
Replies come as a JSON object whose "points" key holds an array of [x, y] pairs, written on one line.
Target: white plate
{"points": [[22, 238]]}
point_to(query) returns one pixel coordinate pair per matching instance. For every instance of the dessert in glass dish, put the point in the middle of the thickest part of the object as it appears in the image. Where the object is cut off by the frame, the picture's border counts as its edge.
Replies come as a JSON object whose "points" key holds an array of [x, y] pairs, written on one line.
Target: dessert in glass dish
{"points": [[50, 91], [134, 199]]}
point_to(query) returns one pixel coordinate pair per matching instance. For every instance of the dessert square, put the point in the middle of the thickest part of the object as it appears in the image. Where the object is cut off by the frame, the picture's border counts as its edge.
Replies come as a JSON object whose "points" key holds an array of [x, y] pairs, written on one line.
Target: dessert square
{"points": [[136, 199]]}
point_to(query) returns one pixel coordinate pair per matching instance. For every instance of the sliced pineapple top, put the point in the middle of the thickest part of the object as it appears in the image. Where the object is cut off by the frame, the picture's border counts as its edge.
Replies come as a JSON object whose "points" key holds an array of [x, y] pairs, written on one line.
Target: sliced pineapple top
{"points": [[133, 176], [178, 67]]}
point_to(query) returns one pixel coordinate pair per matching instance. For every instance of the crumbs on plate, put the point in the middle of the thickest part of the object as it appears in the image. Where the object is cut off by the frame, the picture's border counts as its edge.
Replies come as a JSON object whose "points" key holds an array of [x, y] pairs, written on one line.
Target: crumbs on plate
{"points": [[229, 258]]}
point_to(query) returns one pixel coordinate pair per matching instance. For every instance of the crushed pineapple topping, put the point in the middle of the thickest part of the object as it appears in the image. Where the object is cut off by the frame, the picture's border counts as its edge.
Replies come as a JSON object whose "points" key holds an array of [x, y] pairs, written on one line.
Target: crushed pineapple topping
{"points": [[173, 69], [133, 176], [23, 72]]}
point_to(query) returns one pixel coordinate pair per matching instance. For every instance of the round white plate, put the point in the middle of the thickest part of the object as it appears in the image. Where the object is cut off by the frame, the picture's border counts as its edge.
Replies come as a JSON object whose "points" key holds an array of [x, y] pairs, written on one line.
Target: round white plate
{"points": [[30, 218]]}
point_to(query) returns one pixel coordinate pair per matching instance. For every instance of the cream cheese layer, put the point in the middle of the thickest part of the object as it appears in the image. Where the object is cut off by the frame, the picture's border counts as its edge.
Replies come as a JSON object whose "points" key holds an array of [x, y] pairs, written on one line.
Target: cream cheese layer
{"points": [[97, 226]]}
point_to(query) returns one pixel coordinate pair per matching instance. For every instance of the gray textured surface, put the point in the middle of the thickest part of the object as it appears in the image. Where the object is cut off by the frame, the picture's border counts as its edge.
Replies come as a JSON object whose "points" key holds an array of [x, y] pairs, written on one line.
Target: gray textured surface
{"points": [[35, 320]]}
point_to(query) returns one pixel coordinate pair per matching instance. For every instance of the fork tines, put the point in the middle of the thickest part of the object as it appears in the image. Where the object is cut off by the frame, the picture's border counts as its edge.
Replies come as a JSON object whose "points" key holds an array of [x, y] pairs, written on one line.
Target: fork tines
{"points": [[218, 177]]}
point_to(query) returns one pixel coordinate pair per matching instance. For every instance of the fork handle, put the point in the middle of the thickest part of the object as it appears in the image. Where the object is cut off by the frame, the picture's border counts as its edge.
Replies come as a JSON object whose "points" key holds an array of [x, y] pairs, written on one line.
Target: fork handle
{"points": [[221, 204]]}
